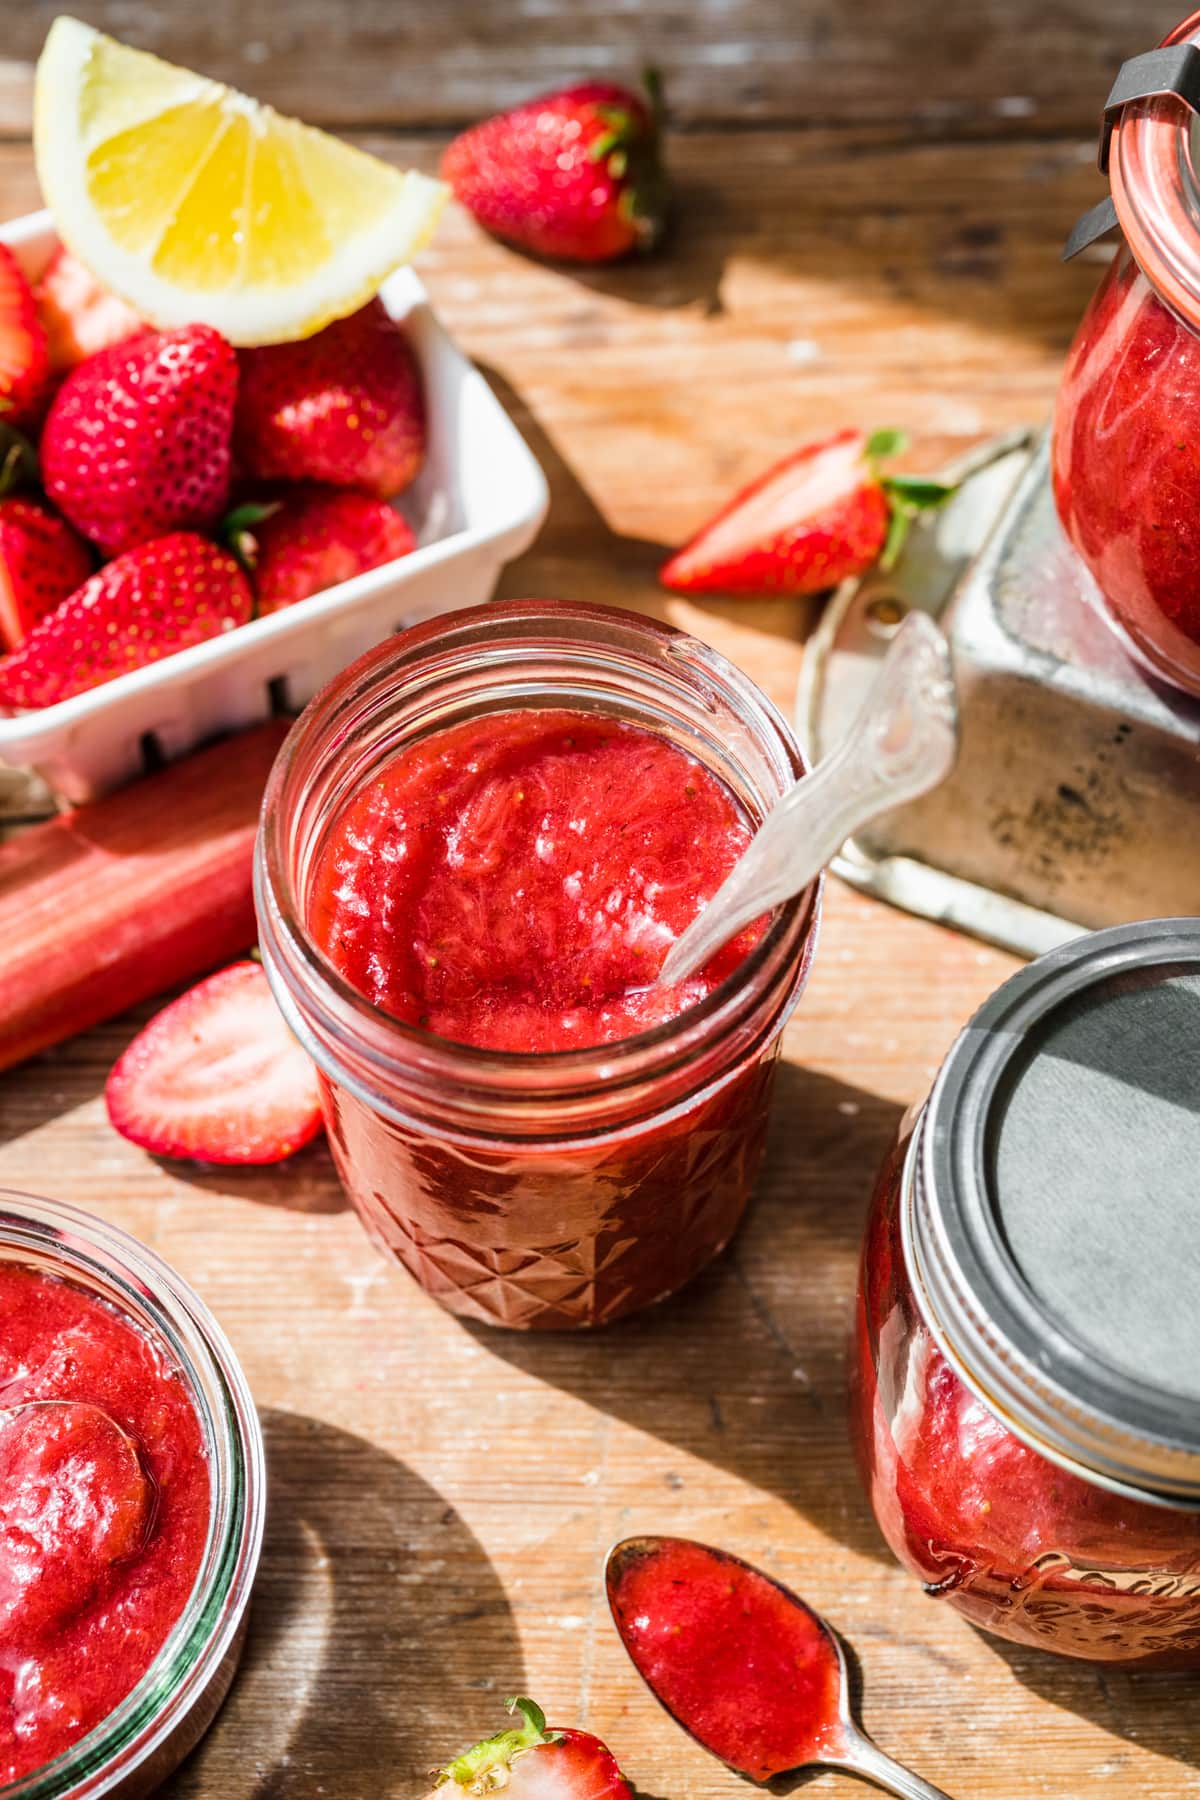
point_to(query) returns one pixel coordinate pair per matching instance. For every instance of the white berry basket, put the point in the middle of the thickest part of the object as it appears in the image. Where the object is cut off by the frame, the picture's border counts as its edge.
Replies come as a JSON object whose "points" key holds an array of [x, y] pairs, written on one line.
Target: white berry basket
{"points": [[478, 503]]}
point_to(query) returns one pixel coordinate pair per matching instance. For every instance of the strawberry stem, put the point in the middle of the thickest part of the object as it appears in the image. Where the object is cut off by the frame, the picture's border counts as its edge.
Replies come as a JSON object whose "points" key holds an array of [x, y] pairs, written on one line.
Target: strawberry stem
{"points": [[907, 495], [236, 530], [484, 1768], [886, 443], [18, 460]]}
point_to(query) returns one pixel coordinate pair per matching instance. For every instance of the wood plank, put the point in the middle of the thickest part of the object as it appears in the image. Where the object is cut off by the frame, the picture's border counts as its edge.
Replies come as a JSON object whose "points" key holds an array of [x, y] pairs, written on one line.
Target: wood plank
{"points": [[441, 1497], [995, 66]]}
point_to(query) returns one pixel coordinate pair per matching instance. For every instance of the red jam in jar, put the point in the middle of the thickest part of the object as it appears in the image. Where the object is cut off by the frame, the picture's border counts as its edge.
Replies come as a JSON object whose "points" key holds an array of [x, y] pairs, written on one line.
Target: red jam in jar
{"points": [[1126, 447], [104, 1512], [478, 846], [1026, 1392], [515, 882]]}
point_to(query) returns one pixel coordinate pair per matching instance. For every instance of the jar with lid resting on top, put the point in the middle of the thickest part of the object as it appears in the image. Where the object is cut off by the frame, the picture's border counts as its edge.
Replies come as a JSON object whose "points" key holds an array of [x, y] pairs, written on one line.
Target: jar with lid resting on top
{"points": [[1126, 444], [541, 1187], [1026, 1390], [124, 1610]]}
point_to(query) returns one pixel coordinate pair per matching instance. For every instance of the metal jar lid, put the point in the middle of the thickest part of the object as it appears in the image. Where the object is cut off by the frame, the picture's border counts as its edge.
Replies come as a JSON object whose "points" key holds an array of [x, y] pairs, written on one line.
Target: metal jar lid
{"points": [[1053, 1218]]}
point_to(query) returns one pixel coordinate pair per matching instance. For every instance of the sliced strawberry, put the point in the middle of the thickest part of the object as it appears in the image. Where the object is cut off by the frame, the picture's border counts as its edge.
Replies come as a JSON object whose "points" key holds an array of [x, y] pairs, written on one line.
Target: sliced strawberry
{"points": [[137, 441], [217, 1077], [79, 315], [24, 360], [531, 1763], [815, 519], [164, 596], [344, 407], [41, 562], [314, 538]]}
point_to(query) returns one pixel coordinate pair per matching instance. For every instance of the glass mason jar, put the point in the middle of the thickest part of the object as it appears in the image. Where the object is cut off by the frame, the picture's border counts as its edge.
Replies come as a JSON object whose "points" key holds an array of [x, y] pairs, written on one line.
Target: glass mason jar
{"points": [[1126, 442], [165, 1715], [1025, 1397], [554, 1189]]}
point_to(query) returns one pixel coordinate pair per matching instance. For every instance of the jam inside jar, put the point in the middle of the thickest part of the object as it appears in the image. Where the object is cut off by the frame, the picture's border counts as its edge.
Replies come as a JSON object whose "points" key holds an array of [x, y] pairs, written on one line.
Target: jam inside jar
{"points": [[132, 1489], [1126, 444], [1024, 1398], [517, 1114]]}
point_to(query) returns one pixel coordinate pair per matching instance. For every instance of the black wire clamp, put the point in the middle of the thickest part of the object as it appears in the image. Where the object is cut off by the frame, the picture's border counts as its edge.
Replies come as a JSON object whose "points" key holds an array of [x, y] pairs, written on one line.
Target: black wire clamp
{"points": [[1173, 70]]}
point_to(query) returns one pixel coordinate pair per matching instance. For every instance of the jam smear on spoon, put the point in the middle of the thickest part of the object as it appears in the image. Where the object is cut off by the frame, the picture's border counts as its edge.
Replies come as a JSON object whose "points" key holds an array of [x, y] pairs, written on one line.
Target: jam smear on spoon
{"points": [[740, 1661]]}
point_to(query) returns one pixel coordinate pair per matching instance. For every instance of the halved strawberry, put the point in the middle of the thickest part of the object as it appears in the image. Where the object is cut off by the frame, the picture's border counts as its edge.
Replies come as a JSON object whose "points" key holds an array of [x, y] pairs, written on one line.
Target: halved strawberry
{"points": [[79, 315], [164, 596], [312, 539], [41, 562], [531, 1763], [821, 515], [217, 1077], [24, 362]]}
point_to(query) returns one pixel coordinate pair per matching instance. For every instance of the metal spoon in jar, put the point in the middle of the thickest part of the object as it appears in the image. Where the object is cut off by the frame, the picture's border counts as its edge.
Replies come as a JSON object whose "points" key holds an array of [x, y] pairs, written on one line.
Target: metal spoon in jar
{"points": [[748, 1670], [902, 743], [95, 1430]]}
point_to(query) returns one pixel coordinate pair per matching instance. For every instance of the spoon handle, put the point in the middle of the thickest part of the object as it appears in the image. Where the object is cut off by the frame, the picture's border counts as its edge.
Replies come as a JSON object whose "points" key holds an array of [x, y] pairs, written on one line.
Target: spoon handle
{"points": [[862, 1757], [902, 743]]}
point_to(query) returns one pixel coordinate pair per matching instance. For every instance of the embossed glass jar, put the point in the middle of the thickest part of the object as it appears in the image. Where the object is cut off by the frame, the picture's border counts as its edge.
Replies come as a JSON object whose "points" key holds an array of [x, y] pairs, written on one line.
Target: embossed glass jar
{"points": [[1026, 1390], [163, 1717], [1126, 447], [541, 1190]]}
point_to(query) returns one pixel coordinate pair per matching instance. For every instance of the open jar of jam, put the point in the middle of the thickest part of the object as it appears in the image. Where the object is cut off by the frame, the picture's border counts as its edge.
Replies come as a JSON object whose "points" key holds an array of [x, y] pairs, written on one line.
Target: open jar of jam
{"points": [[1026, 1390], [477, 846], [1126, 445], [132, 1490]]}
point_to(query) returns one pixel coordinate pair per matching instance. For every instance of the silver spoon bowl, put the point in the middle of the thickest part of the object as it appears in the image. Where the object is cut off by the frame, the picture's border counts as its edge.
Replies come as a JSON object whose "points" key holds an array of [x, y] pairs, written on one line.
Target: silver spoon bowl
{"points": [[846, 1746]]}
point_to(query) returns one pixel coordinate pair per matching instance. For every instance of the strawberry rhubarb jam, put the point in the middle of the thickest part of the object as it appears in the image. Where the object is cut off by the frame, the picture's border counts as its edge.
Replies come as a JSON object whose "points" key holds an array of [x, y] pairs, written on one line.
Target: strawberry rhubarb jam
{"points": [[1126, 455], [1025, 1398], [738, 1660], [478, 846], [515, 882], [104, 1512]]}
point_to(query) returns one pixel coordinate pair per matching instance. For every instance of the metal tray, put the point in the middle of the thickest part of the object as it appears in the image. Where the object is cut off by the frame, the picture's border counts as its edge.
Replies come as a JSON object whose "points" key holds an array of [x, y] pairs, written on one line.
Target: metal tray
{"points": [[1076, 799]]}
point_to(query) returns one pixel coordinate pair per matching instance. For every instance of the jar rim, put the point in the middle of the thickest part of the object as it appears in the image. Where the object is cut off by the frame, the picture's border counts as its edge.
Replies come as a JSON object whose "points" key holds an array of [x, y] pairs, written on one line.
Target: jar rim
{"points": [[67, 1241], [351, 1022], [1155, 185], [1054, 1390]]}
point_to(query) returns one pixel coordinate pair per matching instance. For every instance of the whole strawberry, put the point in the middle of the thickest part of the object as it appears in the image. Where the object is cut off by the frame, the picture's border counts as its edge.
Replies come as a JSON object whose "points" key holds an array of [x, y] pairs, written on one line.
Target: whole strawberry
{"points": [[313, 539], [80, 316], [529, 1762], [41, 562], [344, 406], [576, 175], [160, 597], [137, 442], [24, 359]]}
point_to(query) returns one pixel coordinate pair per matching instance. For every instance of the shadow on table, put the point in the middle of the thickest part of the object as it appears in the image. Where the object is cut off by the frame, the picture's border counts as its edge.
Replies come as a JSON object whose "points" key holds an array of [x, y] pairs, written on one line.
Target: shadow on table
{"points": [[36, 1092], [688, 266], [304, 1183], [886, 223], [1156, 1710], [375, 1612], [574, 518], [745, 1369], [578, 555]]}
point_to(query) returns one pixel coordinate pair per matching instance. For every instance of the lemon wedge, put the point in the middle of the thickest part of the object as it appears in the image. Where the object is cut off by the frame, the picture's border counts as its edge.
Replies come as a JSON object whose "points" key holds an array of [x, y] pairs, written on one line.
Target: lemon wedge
{"points": [[195, 203]]}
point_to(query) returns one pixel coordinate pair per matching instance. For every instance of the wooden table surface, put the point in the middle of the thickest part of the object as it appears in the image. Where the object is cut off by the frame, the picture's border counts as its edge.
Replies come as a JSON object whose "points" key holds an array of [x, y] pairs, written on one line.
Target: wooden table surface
{"points": [[871, 199]]}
